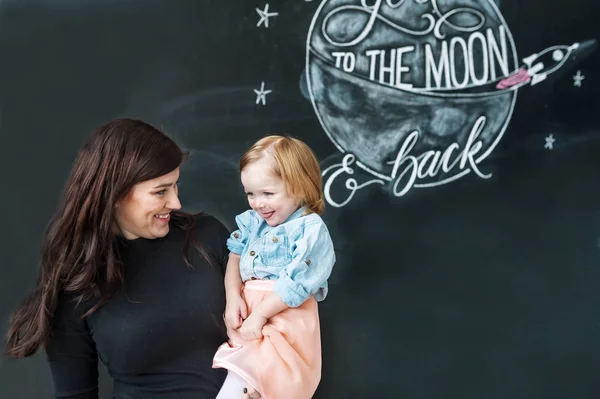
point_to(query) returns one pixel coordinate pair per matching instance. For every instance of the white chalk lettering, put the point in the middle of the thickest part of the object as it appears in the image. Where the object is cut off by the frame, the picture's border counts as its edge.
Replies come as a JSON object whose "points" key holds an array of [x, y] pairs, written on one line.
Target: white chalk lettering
{"points": [[390, 68], [441, 65], [410, 170], [351, 184]]}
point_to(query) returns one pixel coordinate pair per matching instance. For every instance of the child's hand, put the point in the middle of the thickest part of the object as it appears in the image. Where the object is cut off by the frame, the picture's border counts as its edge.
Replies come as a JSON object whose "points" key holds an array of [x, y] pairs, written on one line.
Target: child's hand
{"points": [[252, 327], [236, 312]]}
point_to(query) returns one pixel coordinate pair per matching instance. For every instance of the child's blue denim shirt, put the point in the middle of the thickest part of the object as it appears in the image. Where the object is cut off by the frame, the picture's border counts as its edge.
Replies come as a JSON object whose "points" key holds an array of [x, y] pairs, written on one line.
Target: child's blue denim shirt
{"points": [[298, 254]]}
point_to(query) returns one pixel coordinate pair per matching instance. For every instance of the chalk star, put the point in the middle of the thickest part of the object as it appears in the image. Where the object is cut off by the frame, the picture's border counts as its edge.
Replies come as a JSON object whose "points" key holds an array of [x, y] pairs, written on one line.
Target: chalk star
{"points": [[261, 95], [550, 142], [265, 15], [577, 79]]}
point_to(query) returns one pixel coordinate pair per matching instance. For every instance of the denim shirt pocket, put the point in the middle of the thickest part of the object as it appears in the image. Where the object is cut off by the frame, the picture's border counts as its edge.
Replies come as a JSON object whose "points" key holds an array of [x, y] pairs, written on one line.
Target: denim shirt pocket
{"points": [[275, 250]]}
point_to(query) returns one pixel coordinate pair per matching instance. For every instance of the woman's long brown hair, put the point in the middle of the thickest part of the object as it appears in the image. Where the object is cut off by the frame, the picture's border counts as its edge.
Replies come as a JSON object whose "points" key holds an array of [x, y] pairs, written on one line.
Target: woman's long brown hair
{"points": [[78, 253]]}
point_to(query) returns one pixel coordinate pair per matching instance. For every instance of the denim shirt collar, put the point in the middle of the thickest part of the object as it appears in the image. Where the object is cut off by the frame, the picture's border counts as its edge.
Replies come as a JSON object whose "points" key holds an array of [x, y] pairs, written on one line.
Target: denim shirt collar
{"points": [[296, 214]]}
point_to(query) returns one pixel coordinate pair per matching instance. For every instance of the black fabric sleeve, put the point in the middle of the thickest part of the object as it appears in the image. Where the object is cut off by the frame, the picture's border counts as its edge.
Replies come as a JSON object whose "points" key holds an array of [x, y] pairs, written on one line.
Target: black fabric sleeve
{"points": [[71, 353], [213, 234]]}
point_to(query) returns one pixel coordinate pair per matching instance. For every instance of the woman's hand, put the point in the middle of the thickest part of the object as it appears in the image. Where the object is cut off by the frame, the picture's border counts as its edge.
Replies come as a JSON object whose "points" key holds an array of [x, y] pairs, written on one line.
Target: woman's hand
{"points": [[236, 311], [250, 393], [252, 327]]}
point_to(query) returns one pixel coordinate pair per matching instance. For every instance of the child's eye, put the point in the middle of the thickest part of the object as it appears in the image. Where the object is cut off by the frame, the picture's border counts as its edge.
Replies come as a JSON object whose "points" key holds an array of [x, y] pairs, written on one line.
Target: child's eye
{"points": [[161, 192], [268, 194]]}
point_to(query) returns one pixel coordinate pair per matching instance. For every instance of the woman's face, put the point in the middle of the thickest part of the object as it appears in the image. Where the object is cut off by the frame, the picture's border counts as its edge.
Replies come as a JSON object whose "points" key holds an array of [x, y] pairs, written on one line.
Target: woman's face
{"points": [[145, 211]]}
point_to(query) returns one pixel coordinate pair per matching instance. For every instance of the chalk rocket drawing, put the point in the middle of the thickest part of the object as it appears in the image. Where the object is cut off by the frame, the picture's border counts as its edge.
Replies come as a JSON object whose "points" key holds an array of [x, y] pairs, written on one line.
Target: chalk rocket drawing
{"points": [[418, 93]]}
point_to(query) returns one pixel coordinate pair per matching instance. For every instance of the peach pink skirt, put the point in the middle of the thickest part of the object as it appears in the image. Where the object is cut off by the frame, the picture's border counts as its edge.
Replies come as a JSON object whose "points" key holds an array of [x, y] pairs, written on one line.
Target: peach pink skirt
{"points": [[286, 362]]}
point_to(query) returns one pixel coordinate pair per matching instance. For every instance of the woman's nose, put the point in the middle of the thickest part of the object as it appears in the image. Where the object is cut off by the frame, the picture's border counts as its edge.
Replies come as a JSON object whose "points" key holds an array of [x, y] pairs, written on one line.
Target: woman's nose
{"points": [[174, 202]]}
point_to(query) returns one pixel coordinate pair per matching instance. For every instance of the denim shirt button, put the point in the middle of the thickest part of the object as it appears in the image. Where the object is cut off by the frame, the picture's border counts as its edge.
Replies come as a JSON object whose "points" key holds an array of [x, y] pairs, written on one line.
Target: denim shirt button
{"points": [[252, 253]]}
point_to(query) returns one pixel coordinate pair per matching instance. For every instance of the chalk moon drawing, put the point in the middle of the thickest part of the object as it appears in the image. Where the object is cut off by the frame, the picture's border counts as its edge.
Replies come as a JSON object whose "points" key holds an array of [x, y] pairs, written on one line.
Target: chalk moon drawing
{"points": [[379, 71]]}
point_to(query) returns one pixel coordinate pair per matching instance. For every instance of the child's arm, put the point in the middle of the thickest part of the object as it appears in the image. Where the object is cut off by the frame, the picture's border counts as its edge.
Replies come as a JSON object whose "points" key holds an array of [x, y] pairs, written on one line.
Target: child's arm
{"points": [[235, 309], [233, 279], [312, 262], [271, 305]]}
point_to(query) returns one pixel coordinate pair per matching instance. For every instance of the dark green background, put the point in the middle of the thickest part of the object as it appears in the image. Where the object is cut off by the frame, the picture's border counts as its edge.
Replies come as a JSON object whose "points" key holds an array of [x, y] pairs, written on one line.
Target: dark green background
{"points": [[477, 289]]}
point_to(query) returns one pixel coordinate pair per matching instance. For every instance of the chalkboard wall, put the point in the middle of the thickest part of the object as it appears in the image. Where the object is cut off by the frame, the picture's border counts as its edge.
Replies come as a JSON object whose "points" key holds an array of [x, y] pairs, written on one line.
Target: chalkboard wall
{"points": [[459, 141]]}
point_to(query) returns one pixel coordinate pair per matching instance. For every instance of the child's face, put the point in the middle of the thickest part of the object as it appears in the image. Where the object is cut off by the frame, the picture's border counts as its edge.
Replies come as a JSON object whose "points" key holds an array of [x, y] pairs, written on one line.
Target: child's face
{"points": [[266, 192]]}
